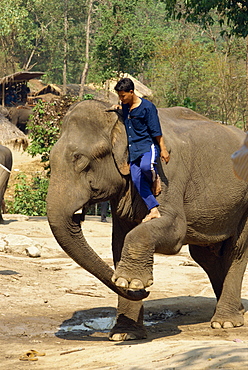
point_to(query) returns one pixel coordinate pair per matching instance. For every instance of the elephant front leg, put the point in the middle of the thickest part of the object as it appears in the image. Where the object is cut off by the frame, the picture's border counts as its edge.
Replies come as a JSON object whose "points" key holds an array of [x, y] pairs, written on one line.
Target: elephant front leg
{"points": [[163, 235], [134, 271], [129, 323]]}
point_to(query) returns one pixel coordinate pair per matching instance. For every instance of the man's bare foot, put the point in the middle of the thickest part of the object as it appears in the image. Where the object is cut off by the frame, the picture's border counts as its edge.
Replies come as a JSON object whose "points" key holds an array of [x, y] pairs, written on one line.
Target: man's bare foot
{"points": [[154, 213], [156, 186]]}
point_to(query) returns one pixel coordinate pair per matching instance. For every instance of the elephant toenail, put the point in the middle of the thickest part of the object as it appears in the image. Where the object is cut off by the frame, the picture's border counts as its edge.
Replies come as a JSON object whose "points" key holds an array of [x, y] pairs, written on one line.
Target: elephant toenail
{"points": [[121, 282], [216, 325], [136, 284], [227, 325], [150, 282]]}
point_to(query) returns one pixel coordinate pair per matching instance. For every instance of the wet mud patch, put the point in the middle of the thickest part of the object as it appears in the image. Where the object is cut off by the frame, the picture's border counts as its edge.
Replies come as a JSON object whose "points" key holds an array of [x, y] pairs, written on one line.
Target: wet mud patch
{"points": [[101, 320], [85, 323]]}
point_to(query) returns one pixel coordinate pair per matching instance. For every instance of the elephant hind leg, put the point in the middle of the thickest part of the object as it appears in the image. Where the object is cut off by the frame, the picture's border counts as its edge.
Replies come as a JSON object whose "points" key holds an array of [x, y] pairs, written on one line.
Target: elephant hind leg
{"points": [[210, 260], [225, 270]]}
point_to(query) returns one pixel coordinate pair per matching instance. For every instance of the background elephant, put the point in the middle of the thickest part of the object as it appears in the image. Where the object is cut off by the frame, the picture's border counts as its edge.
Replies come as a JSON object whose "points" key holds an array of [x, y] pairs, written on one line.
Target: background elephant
{"points": [[19, 116], [202, 204], [5, 168]]}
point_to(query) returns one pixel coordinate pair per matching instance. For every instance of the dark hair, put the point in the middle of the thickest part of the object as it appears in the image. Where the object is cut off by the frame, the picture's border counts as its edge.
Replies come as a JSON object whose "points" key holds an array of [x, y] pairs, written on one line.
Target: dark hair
{"points": [[125, 84]]}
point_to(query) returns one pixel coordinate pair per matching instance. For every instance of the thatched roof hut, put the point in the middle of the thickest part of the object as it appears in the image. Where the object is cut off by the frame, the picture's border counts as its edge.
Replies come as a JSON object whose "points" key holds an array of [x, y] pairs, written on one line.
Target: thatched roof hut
{"points": [[16, 78], [11, 136], [49, 89], [20, 77], [46, 93]]}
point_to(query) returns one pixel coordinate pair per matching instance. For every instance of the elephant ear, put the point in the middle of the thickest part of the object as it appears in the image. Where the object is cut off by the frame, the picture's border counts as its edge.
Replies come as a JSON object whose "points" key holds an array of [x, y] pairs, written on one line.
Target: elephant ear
{"points": [[119, 147]]}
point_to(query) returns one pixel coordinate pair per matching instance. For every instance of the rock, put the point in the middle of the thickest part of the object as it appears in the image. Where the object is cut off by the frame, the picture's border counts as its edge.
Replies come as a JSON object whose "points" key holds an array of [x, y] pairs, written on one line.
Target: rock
{"points": [[3, 245], [189, 263], [13, 243], [12, 216], [33, 252]]}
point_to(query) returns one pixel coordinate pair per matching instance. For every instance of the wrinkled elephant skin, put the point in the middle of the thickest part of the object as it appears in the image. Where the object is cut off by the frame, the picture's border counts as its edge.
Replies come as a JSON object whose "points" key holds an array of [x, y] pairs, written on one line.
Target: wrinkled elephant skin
{"points": [[5, 168], [202, 204]]}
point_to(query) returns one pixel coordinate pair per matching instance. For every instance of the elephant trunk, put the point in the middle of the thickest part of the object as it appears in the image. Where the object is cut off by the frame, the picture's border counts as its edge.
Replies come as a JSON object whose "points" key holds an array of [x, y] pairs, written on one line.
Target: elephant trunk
{"points": [[68, 234]]}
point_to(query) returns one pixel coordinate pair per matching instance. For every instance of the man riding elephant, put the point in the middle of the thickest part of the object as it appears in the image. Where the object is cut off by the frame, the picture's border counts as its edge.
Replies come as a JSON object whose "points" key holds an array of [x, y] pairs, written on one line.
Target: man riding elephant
{"points": [[145, 143]]}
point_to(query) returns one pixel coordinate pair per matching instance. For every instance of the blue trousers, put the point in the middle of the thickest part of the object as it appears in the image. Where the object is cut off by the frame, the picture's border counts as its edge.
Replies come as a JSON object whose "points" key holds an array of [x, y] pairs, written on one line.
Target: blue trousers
{"points": [[143, 173]]}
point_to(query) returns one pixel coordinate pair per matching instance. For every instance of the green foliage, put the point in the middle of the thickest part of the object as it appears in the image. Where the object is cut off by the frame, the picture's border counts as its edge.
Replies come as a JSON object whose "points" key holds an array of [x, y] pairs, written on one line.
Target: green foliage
{"points": [[29, 199], [125, 37], [233, 14], [88, 97], [13, 16], [202, 66], [43, 133], [187, 103]]}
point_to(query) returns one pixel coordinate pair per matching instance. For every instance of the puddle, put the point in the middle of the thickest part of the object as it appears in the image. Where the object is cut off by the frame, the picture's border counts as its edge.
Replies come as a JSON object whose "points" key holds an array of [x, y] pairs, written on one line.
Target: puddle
{"points": [[104, 324], [98, 324]]}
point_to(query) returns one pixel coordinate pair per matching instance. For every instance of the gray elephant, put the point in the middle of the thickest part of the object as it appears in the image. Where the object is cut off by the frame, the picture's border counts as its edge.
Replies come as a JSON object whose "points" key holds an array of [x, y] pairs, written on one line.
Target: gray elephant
{"points": [[5, 168], [202, 204], [19, 116]]}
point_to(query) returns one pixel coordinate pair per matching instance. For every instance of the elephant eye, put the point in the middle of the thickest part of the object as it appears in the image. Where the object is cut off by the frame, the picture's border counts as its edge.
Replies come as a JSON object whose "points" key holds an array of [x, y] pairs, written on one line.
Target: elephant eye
{"points": [[81, 162], [76, 157]]}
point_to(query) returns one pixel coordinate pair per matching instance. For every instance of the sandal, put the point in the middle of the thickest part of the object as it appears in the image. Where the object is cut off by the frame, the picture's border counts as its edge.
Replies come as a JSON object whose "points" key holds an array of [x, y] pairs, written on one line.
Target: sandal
{"points": [[31, 355]]}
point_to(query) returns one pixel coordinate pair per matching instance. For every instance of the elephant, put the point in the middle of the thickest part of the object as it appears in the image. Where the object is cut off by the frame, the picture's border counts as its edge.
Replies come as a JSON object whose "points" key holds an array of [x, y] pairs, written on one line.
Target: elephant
{"points": [[202, 205], [5, 169], [19, 116]]}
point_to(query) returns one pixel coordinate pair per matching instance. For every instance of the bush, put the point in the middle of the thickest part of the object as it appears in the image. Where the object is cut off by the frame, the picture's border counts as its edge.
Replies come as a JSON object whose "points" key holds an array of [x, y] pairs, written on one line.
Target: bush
{"points": [[29, 199]]}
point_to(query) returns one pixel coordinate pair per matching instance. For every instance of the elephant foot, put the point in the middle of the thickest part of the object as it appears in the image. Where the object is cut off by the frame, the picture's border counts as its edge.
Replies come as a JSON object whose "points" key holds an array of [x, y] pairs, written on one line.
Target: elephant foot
{"points": [[127, 329], [228, 321], [134, 270], [131, 284]]}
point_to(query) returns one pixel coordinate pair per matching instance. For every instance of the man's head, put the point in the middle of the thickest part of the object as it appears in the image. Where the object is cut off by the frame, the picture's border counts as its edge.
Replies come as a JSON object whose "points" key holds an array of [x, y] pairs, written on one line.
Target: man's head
{"points": [[125, 84], [125, 90]]}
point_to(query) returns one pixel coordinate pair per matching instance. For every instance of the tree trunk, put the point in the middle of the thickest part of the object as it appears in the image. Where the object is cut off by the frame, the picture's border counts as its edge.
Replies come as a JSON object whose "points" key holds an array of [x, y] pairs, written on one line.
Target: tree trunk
{"points": [[65, 46], [86, 66], [26, 66], [246, 102]]}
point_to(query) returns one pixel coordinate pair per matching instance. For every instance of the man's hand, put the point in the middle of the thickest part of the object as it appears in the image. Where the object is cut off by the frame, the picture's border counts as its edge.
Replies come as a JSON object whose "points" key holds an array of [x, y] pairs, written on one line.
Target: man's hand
{"points": [[164, 155], [115, 107]]}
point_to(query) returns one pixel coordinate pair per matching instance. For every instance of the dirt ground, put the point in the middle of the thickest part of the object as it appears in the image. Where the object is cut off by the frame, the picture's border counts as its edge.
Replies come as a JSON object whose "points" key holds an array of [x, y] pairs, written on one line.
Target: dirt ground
{"points": [[51, 305]]}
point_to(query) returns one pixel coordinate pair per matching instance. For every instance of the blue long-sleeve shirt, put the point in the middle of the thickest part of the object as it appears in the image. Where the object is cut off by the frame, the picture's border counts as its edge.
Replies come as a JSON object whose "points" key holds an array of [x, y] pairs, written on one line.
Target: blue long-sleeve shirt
{"points": [[142, 126]]}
